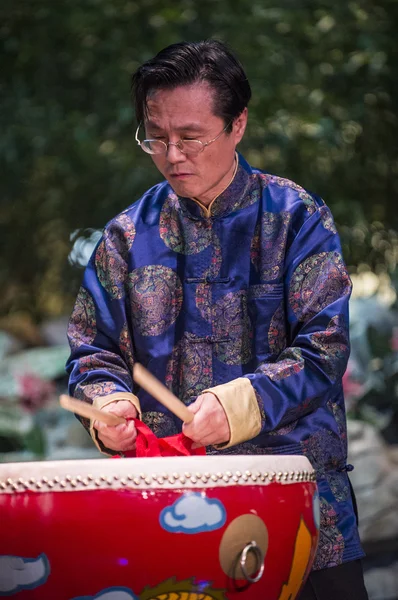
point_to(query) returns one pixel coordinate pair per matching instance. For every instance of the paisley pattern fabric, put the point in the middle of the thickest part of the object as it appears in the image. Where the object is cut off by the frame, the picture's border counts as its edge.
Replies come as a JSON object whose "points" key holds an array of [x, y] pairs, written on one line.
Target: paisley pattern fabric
{"points": [[260, 290], [204, 295], [308, 199], [180, 233], [93, 390], [111, 269], [108, 361], [286, 183], [126, 347], [331, 540], [155, 297], [111, 255], [290, 363], [89, 391], [162, 425], [324, 272], [214, 268], [261, 408], [292, 417], [277, 331], [332, 346], [231, 321], [82, 325], [190, 368], [245, 448], [203, 300], [125, 229], [339, 485], [324, 450], [241, 193], [309, 202], [327, 219], [256, 287], [269, 243], [339, 415], [285, 429]]}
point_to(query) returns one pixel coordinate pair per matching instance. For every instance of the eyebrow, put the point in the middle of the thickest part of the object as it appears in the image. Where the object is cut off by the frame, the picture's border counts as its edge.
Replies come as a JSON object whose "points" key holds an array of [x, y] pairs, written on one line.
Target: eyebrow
{"points": [[187, 127]]}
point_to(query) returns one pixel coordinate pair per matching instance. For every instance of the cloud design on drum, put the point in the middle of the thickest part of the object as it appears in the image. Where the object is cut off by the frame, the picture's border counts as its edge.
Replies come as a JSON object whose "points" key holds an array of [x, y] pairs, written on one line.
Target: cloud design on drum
{"points": [[112, 593], [193, 513], [18, 573]]}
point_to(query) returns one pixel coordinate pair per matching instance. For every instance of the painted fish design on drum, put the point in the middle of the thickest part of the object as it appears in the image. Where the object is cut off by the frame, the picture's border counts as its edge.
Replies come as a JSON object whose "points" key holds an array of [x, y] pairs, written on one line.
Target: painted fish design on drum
{"points": [[182, 590], [167, 590]]}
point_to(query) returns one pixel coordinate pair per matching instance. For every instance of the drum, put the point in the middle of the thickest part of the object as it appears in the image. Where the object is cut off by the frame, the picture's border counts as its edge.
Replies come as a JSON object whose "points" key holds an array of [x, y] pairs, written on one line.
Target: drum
{"points": [[178, 528]]}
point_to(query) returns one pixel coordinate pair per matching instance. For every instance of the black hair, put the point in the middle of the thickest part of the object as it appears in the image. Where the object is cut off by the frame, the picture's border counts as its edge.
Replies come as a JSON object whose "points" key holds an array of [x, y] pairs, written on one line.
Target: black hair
{"points": [[186, 63]]}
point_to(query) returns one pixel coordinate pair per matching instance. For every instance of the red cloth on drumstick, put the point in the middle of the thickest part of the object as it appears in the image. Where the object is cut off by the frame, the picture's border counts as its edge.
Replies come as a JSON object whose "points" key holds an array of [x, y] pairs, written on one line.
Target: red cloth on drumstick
{"points": [[147, 444]]}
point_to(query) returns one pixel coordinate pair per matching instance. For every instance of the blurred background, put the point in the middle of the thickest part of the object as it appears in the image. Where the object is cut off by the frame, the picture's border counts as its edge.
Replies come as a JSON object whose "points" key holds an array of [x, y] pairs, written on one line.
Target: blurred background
{"points": [[324, 77]]}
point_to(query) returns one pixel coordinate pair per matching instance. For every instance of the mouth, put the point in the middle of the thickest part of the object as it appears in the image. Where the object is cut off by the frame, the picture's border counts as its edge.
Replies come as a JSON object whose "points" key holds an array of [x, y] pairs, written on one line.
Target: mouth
{"points": [[180, 176]]}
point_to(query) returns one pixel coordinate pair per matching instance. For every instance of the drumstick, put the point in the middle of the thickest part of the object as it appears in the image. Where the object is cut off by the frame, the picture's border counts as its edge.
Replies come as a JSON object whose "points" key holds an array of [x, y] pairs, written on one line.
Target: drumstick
{"points": [[161, 393], [83, 409]]}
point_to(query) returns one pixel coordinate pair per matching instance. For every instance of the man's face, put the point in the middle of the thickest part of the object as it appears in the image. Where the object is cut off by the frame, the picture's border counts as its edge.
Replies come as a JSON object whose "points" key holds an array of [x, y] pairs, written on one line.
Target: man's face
{"points": [[187, 112]]}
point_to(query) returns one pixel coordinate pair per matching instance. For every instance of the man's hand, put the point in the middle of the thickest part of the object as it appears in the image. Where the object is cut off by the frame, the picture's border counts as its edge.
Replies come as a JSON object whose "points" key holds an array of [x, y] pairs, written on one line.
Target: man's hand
{"points": [[210, 424], [118, 437]]}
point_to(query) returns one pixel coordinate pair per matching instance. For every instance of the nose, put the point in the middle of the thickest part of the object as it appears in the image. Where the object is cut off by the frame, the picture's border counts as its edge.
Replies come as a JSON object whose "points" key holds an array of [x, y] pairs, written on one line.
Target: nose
{"points": [[174, 154]]}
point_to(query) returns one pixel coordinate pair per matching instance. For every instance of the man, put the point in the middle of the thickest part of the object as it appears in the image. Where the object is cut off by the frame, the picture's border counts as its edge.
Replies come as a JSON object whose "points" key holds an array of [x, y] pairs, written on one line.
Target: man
{"points": [[229, 285]]}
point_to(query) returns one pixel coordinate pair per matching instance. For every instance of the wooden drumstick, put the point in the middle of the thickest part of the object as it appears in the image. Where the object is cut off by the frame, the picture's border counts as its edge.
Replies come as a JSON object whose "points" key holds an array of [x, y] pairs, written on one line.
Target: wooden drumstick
{"points": [[161, 393], [83, 409]]}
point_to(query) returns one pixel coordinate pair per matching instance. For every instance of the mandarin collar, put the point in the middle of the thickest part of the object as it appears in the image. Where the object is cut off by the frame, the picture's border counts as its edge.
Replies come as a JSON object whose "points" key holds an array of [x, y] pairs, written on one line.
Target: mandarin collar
{"points": [[230, 200]]}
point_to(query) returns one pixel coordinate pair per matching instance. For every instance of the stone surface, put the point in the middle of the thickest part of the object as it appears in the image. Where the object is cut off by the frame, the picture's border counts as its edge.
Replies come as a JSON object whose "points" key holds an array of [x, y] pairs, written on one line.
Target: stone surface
{"points": [[375, 481], [381, 578]]}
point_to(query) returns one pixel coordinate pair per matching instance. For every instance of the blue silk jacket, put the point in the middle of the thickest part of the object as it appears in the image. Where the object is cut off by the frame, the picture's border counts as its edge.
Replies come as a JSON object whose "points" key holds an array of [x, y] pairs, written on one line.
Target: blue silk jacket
{"points": [[249, 300]]}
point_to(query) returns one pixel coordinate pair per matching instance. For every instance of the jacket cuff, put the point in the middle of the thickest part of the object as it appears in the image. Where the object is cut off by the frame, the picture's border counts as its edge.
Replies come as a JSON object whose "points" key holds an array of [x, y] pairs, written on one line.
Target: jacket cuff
{"points": [[101, 401], [239, 401]]}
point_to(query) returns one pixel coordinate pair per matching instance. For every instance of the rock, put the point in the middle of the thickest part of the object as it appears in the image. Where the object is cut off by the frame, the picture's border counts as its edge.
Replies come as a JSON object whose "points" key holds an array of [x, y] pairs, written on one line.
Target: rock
{"points": [[381, 578], [375, 481]]}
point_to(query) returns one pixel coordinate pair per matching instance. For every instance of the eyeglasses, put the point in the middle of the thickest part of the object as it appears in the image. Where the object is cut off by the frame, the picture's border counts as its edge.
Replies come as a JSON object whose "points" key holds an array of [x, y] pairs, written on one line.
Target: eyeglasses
{"points": [[184, 146]]}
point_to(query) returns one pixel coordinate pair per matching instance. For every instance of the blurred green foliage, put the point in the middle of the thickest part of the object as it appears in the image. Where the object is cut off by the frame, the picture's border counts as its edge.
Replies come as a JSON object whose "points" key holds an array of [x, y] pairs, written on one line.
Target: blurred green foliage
{"points": [[324, 113]]}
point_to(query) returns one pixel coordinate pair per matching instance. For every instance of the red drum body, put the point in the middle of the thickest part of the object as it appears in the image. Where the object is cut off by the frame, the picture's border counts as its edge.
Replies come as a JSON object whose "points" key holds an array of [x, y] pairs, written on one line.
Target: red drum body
{"points": [[184, 528]]}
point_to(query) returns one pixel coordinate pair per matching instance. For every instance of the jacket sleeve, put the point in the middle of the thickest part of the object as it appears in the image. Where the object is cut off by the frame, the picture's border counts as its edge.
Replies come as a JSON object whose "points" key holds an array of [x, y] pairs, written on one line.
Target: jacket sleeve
{"points": [[102, 356], [314, 357]]}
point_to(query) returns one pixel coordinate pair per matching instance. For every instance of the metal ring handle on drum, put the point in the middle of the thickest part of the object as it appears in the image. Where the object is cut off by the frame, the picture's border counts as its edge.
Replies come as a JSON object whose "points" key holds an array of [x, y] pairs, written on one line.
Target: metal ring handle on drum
{"points": [[255, 548]]}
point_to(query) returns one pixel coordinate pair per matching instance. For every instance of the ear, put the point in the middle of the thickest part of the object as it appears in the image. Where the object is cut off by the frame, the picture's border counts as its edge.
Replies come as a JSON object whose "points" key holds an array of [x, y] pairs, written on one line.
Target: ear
{"points": [[239, 125]]}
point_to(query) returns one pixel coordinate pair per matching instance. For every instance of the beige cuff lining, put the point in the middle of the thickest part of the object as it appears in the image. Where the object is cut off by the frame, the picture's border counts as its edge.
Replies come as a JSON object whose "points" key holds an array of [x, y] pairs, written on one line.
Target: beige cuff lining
{"points": [[101, 401], [239, 401]]}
